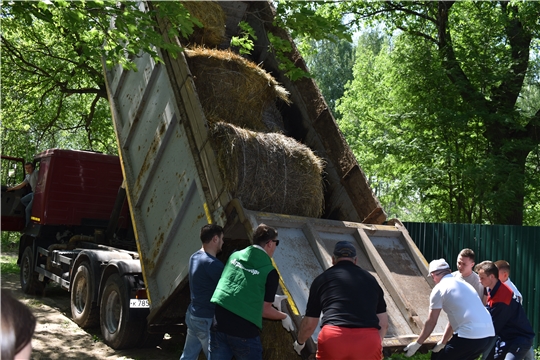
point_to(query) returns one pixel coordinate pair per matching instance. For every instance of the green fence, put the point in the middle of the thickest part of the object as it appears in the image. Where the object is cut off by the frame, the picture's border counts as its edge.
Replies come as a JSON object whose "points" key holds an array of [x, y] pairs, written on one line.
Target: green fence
{"points": [[519, 245]]}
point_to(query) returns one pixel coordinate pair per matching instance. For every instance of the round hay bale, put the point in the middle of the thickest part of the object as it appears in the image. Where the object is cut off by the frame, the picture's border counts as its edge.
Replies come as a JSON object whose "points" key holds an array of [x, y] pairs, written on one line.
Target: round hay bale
{"points": [[213, 18], [269, 171], [277, 342], [234, 89]]}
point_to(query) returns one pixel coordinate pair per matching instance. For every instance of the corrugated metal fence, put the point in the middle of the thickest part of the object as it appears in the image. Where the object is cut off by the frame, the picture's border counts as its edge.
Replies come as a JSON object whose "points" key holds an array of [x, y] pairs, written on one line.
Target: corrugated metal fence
{"points": [[519, 245]]}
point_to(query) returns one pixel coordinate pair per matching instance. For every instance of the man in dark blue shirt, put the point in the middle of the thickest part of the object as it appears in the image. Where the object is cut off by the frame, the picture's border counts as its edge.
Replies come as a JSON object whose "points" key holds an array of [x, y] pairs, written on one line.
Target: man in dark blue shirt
{"points": [[204, 273]]}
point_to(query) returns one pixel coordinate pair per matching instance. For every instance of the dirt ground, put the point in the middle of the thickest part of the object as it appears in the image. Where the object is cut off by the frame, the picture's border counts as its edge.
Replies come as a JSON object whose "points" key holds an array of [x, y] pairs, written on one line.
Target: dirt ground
{"points": [[58, 337]]}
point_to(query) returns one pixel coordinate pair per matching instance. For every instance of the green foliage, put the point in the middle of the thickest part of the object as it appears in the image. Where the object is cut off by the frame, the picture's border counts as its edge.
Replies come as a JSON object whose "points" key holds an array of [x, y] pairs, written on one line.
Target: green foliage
{"points": [[310, 20], [8, 265], [245, 42], [330, 79], [304, 20], [52, 76], [281, 47], [10, 241], [417, 356], [434, 116]]}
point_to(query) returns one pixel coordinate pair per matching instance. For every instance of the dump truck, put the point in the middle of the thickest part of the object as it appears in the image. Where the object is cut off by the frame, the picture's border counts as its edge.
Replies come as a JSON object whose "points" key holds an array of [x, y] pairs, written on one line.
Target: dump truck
{"points": [[127, 269]]}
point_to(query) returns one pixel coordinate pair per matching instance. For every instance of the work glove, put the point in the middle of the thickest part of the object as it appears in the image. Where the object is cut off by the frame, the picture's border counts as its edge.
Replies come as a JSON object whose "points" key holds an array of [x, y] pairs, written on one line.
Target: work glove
{"points": [[438, 347], [412, 348], [277, 301], [287, 323], [298, 347]]}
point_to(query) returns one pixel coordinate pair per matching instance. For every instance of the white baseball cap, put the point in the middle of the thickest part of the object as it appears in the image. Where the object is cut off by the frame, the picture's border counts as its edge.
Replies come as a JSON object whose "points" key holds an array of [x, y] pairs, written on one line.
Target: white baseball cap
{"points": [[437, 265]]}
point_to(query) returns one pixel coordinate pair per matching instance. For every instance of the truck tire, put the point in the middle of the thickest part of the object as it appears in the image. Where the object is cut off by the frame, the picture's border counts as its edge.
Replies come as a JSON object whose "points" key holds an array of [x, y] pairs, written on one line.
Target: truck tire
{"points": [[29, 278], [84, 312], [118, 330]]}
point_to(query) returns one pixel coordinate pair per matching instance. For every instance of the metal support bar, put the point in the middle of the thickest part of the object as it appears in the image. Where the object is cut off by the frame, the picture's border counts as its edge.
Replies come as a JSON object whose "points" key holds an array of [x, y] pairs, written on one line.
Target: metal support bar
{"points": [[384, 273]]}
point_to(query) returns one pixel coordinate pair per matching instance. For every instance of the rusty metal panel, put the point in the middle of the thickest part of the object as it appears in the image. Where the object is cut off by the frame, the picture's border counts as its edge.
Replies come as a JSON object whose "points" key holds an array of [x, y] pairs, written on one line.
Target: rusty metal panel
{"points": [[164, 190], [305, 251]]}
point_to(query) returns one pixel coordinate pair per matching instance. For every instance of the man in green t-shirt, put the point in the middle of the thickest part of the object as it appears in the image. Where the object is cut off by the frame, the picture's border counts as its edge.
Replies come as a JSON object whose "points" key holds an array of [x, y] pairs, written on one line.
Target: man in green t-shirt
{"points": [[243, 297]]}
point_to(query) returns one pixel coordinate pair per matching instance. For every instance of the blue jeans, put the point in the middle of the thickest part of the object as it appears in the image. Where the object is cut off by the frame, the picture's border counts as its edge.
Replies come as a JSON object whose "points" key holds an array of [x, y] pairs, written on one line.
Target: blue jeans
{"points": [[27, 200], [198, 337], [224, 347]]}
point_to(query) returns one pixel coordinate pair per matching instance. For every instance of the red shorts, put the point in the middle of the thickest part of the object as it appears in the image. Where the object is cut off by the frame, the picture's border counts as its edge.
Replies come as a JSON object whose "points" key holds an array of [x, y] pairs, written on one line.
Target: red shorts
{"points": [[339, 343]]}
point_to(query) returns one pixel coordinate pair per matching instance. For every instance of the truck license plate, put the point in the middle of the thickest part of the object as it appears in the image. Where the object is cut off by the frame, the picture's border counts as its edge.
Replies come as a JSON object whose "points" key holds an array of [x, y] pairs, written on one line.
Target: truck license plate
{"points": [[138, 303]]}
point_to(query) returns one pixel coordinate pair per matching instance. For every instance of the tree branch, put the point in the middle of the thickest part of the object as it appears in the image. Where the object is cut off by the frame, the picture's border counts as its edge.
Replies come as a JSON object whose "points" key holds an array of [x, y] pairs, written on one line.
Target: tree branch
{"points": [[419, 34], [507, 93], [17, 54], [449, 61], [399, 7]]}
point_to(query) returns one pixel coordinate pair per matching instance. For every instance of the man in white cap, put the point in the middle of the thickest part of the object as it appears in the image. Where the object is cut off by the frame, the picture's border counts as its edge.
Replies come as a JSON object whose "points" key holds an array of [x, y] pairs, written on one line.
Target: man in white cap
{"points": [[470, 322]]}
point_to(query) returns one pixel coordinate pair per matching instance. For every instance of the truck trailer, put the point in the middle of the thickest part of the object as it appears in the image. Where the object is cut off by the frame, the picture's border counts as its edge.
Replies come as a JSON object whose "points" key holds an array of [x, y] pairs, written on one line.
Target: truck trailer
{"points": [[118, 232]]}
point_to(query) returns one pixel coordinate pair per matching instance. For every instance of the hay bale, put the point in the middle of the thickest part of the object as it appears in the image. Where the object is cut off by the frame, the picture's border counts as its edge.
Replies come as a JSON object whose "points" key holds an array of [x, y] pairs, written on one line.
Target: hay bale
{"points": [[213, 18], [269, 171], [277, 342], [236, 90]]}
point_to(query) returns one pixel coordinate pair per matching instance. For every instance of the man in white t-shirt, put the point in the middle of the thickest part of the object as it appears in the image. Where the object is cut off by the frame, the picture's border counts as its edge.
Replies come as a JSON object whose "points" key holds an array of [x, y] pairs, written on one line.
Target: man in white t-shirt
{"points": [[470, 329], [465, 264]]}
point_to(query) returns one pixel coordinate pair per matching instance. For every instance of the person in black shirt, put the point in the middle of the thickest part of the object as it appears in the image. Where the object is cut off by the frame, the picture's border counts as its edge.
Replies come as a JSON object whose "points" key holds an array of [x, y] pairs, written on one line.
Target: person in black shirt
{"points": [[354, 311]]}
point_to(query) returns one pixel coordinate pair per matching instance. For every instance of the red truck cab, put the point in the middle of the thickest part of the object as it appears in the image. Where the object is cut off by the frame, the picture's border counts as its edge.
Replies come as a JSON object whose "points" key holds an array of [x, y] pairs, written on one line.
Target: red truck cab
{"points": [[74, 189]]}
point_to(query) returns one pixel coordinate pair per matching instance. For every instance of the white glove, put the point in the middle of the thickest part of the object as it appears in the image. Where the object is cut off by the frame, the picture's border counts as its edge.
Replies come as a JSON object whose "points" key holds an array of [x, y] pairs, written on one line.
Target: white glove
{"points": [[297, 347], [287, 323], [438, 347], [412, 348], [277, 301]]}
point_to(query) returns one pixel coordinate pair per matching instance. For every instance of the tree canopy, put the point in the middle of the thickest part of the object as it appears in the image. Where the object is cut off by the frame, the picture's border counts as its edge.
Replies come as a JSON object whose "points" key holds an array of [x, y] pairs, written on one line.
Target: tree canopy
{"points": [[445, 111], [52, 78]]}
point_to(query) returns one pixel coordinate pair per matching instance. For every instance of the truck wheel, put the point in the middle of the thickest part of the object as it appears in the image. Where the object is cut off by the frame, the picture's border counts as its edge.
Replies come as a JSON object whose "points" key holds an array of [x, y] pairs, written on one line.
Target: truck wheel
{"points": [[84, 312], [119, 332], [29, 278]]}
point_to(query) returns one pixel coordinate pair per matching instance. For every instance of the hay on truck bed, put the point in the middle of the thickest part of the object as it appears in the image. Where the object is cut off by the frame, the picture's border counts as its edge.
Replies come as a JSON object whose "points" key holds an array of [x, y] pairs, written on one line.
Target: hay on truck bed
{"points": [[269, 171], [213, 18], [236, 90]]}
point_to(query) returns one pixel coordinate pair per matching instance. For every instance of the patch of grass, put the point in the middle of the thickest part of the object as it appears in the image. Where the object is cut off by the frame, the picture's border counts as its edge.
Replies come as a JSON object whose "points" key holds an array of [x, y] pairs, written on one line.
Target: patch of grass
{"points": [[417, 356], [8, 264], [33, 302], [10, 241]]}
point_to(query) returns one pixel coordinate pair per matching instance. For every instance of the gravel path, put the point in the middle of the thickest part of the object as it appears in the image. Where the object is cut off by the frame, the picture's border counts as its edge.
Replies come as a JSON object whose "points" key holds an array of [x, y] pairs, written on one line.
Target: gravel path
{"points": [[58, 337]]}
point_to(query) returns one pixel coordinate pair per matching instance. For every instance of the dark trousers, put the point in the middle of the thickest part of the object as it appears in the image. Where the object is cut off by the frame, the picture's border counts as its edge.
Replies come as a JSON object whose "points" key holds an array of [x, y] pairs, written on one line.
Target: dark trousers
{"points": [[462, 349]]}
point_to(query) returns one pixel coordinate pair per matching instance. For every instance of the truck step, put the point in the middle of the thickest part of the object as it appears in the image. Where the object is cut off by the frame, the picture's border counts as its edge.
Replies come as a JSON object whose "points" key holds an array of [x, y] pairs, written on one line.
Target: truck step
{"points": [[64, 256]]}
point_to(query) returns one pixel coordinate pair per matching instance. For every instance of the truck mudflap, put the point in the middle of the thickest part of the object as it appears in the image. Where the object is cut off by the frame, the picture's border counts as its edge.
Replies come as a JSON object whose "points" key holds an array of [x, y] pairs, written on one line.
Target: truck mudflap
{"points": [[387, 252]]}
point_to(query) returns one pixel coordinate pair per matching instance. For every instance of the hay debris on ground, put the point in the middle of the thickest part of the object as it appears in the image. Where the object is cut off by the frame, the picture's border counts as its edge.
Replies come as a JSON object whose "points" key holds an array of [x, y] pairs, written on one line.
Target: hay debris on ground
{"points": [[236, 90], [269, 171], [213, 18]]}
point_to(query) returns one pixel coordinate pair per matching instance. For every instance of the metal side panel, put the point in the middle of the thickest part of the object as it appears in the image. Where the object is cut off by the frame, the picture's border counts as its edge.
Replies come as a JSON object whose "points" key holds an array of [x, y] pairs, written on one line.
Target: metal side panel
{"points": [[167, 202], [305, 251]]}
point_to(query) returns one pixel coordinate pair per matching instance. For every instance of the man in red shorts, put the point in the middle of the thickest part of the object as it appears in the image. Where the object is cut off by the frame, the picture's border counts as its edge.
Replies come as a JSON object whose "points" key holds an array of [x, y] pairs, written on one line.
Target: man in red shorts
{"points": [[354, 311]]}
